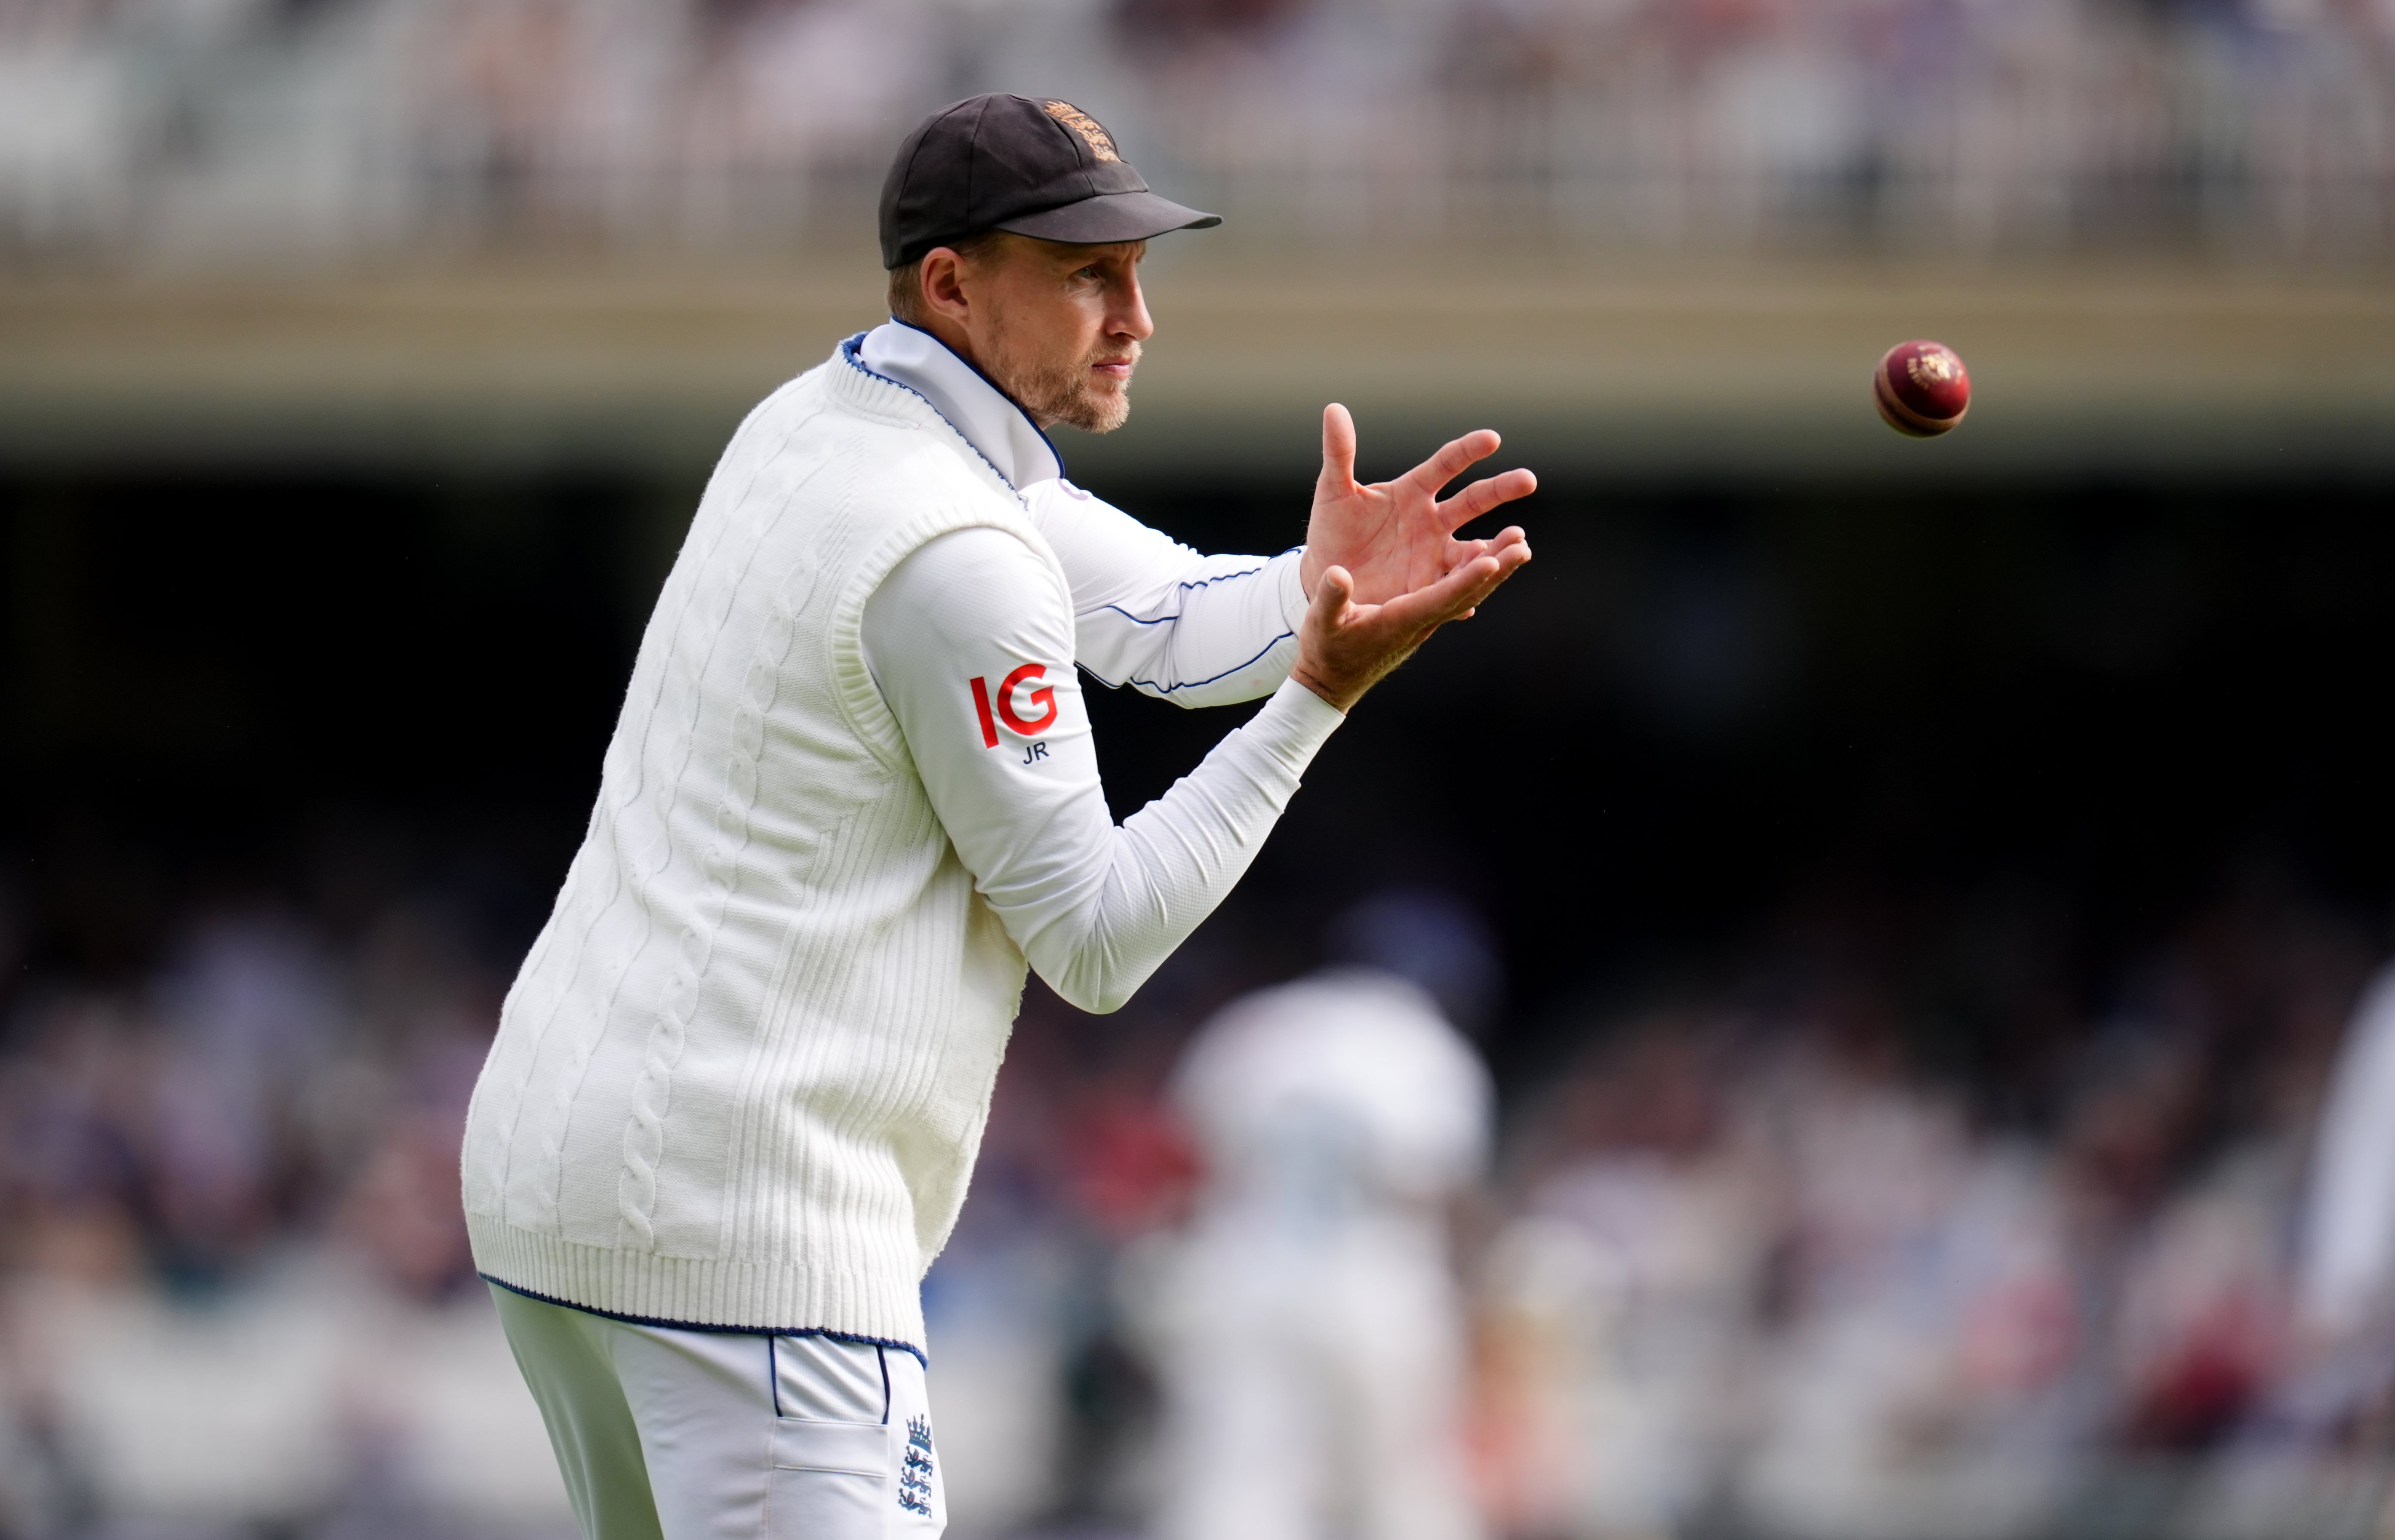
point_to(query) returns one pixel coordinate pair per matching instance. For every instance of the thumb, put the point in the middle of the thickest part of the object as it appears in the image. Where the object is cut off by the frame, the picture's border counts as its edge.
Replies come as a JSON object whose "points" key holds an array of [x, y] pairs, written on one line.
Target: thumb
{"points": [[1332, 592], [1338, 448]]}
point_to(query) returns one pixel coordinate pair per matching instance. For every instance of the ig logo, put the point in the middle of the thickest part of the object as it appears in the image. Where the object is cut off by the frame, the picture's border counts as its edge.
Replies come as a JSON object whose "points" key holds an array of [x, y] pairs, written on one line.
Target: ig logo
{"points": [[1042, 699]]}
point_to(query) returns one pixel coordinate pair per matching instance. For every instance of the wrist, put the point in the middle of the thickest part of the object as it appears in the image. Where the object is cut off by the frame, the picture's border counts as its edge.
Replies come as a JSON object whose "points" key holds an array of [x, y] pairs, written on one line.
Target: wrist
{"points": [[1338, 700], [1293, 726]]}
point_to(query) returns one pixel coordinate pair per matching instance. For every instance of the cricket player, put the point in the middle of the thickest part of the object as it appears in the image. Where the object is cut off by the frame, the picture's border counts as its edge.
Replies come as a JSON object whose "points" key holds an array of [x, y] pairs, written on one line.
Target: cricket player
{"points": [[738, 1086], [1309, 1333]]}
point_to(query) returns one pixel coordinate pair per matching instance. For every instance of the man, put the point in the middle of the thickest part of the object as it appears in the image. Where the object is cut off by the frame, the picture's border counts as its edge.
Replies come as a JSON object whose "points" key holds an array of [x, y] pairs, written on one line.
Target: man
{"points": [[1307, 1326], [738, 1086]]}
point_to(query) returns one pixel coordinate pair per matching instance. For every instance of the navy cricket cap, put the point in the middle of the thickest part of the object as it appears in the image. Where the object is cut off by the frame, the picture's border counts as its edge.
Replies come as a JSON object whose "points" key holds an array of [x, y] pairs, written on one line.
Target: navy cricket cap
{"points": [[1029, 165]]}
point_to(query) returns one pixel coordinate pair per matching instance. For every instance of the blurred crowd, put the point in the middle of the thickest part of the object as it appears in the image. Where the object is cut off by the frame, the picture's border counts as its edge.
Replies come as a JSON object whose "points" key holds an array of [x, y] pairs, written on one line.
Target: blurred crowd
{"points": [[1871, 1228], [311, 131], [234, 1285], [1768, 1259], [1858, 1231]]}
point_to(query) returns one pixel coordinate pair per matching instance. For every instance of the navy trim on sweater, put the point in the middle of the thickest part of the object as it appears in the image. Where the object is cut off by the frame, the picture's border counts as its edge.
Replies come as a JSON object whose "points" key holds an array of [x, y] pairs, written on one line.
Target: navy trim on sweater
{"points": [[921, 1357]]}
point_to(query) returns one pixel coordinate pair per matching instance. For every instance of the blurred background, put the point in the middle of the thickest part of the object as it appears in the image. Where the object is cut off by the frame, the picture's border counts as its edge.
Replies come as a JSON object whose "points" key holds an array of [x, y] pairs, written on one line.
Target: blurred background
{"points": [[1933, 883]]}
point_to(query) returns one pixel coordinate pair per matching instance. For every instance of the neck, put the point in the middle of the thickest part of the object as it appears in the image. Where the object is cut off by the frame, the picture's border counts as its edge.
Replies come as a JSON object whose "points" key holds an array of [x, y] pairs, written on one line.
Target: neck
{"points": [[1000, 430], [956, 341]]}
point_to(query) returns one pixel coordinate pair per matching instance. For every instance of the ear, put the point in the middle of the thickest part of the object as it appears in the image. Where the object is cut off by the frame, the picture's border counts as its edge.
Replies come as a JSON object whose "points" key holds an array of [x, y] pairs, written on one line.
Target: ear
{"points": [[942, 273]]}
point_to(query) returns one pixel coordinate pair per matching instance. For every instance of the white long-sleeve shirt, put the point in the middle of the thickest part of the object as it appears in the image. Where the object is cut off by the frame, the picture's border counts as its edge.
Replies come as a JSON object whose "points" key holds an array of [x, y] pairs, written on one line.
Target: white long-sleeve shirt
{"points": [[974, 614]]}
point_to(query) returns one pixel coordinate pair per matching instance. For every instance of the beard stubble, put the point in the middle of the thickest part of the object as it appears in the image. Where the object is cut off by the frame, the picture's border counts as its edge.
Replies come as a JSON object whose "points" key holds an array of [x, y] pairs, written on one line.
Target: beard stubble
{"points": [[1058, 390]]}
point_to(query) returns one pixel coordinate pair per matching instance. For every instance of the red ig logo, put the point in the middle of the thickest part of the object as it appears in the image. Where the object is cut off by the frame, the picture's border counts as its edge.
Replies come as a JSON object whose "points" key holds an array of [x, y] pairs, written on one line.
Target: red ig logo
{"points": [[1044, 698]]}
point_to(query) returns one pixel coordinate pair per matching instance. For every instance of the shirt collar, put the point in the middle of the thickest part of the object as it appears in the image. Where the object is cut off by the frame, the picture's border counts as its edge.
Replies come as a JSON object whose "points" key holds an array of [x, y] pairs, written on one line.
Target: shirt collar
{"points": [[989, 421]]}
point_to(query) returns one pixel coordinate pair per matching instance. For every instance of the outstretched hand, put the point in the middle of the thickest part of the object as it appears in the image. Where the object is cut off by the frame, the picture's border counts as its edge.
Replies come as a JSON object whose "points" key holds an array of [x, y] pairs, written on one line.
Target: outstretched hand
{"points": [[1382, 569], [1396, 537]]}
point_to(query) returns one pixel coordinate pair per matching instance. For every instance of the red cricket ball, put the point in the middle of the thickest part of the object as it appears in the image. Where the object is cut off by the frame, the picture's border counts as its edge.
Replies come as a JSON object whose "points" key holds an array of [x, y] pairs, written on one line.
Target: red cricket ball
{"points": [[1920, 389]]}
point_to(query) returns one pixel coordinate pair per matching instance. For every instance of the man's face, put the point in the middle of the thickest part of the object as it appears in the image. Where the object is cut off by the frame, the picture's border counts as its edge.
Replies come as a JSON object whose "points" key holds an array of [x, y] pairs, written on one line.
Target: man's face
{"points": [[1058, 327]]}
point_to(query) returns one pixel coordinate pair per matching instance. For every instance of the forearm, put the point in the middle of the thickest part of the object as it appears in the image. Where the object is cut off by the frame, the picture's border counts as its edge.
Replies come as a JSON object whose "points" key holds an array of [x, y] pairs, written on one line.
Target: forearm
{"points": [[1154, 614], [1167, 867], [1208, 640], [970, 642]]}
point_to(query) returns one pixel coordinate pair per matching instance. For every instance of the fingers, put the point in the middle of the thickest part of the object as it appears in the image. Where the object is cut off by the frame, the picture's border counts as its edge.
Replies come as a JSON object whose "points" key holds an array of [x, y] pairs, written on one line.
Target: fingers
{"points": [[1510, 538], [1450, 461], [1499, 557], [1491, 568], [1504, 539], [1509, 561], [1338, 448], [1433, 605], [1344, 647], [1482, 495], [1476, 592]]}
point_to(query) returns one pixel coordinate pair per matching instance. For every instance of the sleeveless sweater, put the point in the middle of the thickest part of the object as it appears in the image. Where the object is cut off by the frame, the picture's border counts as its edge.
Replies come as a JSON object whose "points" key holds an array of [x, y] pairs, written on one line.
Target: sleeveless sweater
{"points": [[741, 1079]]}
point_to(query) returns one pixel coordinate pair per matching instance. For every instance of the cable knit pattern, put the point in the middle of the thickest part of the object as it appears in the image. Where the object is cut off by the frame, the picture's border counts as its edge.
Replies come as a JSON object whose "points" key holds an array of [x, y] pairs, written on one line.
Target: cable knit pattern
{"points": [[744, 1072], [644, 1139]]}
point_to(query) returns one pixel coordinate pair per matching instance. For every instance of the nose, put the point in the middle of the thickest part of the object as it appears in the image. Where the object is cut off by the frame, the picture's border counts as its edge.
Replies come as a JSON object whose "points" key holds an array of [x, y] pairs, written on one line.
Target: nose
{"points": [[1129, 316]]}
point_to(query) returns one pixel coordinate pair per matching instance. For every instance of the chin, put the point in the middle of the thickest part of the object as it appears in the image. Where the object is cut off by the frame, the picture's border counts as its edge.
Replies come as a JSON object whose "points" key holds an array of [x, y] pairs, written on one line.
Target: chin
{"points": [[1099, 412]]}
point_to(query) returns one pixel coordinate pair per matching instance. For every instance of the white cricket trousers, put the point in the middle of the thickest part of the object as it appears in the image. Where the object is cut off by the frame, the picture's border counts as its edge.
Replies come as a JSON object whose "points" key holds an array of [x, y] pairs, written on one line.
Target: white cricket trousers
{"points": [[1314, 1393], [665, 1433]]}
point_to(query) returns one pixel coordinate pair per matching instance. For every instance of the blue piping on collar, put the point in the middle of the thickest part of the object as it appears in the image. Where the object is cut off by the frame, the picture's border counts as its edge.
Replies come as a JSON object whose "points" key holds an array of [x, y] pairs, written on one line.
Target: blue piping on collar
{"points": [[849, 352], [1056, 454], [853, 350]]}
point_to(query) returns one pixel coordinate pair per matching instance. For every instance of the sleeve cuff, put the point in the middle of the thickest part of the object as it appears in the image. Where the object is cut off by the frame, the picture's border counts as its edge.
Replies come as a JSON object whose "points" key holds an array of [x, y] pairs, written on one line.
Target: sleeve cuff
{"points": [[1293, 725], [1292, 588]]}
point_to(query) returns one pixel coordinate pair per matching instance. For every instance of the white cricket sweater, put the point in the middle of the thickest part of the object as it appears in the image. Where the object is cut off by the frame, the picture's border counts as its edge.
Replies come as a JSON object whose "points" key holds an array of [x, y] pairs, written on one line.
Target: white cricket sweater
{"points": [[742, 1077]]}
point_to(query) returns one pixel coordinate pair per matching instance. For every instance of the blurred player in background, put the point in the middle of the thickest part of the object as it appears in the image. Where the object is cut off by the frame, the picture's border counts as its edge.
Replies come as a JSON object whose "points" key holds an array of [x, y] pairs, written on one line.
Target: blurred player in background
{"points": [[1308, 1328]]}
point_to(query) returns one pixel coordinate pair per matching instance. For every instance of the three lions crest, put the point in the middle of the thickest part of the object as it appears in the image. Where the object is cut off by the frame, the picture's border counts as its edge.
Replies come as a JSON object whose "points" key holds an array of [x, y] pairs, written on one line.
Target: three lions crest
{"points": [[1101, 143]]}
